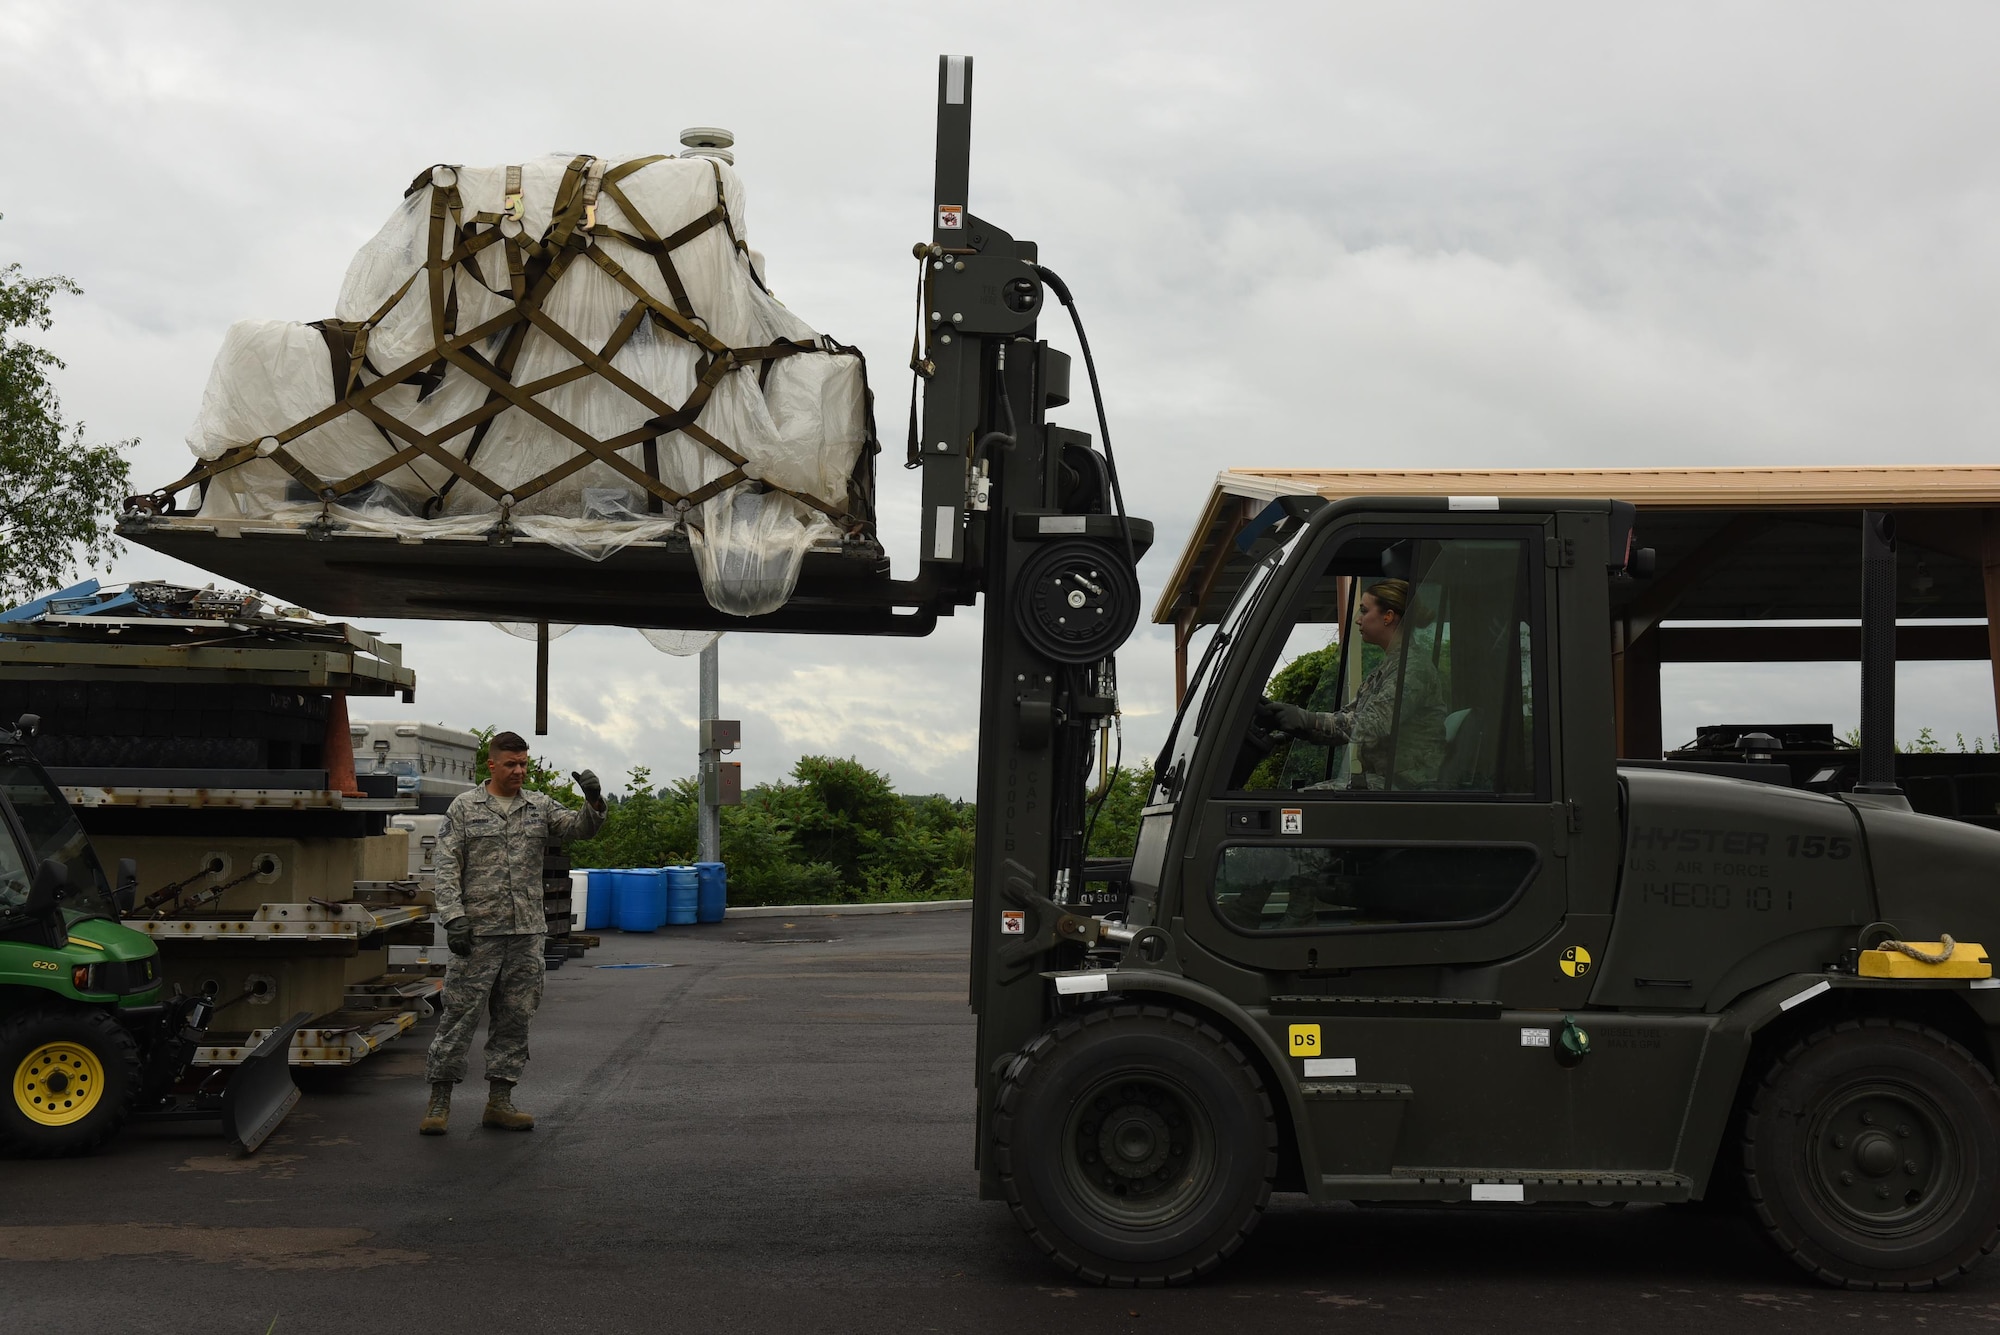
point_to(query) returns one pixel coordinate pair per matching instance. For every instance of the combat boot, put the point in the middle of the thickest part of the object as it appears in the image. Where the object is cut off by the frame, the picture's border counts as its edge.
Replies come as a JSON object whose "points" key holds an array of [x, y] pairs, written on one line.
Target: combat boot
{"points": [[439, 1111], [501, 1114]]}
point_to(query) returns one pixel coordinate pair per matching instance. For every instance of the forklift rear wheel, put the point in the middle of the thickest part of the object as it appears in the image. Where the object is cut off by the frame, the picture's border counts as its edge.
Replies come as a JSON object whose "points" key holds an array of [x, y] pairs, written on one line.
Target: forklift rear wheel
{"points": [[1871, 1155], [71, 1075], [1136, 1145]]}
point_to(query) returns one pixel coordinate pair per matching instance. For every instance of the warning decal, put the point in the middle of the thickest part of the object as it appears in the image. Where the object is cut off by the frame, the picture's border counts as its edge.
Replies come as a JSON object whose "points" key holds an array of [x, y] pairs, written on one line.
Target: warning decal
{"points": [[1013, 922], [951, 217], [1291, 820], [1574, 961]]}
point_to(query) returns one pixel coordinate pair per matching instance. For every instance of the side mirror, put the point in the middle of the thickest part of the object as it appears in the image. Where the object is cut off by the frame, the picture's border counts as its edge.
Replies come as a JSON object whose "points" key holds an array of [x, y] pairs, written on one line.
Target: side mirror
{"points": [[26, 726], [127, 893], [51, 879]]}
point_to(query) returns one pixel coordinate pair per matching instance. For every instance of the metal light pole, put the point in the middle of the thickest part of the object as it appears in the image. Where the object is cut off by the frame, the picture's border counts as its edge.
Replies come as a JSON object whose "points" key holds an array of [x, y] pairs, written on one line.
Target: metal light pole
{"points": [[708, 832]]}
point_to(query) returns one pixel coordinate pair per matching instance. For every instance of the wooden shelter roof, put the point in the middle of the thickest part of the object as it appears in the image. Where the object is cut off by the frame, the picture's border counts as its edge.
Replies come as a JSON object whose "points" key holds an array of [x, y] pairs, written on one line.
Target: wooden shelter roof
{"points": [[1787, 524]]}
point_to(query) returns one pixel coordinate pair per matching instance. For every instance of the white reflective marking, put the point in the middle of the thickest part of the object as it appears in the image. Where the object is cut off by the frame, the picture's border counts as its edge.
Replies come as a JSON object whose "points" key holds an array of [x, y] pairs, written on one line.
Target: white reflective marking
{"points": [[1534, 1038], [1498, 1191], [1329, 1066], [954, 80], [947, 520], [1982, 984], [1071, 984], [1807, 995], [1061, 524], [1473, 502]]}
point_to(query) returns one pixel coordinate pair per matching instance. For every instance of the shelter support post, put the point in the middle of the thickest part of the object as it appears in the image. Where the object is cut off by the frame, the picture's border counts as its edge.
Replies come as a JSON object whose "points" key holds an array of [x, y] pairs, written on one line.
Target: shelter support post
{"points": [[1878, 653], [1989, 561], [1635, 690], [1183, 630]]}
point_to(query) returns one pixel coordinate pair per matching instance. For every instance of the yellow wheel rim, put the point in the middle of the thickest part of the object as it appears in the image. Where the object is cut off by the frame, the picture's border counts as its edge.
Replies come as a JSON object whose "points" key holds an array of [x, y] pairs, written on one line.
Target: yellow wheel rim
{"points": [[59, 1083]]}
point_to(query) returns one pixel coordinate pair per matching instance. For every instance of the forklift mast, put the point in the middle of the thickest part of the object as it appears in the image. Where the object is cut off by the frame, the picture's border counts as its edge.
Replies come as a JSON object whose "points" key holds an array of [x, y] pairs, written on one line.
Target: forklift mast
{"points": [[1020, 511]]}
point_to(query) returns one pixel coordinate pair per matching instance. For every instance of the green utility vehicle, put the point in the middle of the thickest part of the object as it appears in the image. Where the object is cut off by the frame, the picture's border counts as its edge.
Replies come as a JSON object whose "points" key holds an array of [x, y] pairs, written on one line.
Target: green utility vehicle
{"points": [[86, 1038]]}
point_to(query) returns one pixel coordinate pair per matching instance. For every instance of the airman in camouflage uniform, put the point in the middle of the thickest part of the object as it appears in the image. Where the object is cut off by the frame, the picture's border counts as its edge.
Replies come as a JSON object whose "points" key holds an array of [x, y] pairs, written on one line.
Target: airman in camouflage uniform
{"points": [[489, 897], [1396, 717]]}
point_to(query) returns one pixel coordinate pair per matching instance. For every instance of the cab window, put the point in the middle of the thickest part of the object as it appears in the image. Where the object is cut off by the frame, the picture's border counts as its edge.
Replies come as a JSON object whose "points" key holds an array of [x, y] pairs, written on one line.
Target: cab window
{"points": [[53, 831], [1408, 668], [13, 872], [1314, 887]]}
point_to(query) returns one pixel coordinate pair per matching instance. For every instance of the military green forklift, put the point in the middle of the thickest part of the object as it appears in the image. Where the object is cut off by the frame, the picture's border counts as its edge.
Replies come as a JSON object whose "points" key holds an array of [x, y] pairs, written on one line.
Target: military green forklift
{"points": [[87, 1041], [1455, 956]]}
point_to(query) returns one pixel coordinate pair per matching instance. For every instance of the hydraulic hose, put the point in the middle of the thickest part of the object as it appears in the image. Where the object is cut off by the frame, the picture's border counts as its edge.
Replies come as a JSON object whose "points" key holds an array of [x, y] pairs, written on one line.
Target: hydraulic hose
{"points": [[1056, 285]]}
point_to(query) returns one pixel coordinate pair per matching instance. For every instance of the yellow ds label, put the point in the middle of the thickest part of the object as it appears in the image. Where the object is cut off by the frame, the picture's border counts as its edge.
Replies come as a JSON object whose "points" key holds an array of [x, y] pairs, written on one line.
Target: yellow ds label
{"points": [[1305, 1040]]}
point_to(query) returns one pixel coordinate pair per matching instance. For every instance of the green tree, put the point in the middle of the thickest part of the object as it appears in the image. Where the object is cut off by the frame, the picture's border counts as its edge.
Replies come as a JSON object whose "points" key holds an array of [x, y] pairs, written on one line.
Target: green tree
{"points": [[834, 832], [1116, 832], [58, 495], [542, 776], [839, 812]]}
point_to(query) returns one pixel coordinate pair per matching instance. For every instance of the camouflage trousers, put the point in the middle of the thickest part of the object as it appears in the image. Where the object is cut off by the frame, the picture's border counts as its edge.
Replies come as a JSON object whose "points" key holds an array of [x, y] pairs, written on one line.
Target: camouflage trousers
{"points": [[503, 977]]}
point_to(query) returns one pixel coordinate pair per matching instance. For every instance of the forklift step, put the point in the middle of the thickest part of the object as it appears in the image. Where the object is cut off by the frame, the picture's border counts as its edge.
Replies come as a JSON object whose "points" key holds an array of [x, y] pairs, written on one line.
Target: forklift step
{"points": [[1504, 1186], [1326, 1089]]}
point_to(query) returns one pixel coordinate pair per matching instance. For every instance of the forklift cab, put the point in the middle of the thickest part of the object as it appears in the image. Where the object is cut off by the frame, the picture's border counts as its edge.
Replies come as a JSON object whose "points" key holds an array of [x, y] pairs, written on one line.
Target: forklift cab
{"points": [[1416, 835]]}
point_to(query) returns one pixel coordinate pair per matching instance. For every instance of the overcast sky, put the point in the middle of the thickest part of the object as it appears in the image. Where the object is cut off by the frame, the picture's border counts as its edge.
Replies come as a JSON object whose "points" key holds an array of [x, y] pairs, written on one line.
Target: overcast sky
{"points": [[1506, 235]]}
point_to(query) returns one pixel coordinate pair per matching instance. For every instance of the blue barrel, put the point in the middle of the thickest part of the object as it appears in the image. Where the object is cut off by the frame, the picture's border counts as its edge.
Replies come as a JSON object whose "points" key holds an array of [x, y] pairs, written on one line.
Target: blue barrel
{"points": [[683, 895], [642, 899], [601, 909], [714, 894]]}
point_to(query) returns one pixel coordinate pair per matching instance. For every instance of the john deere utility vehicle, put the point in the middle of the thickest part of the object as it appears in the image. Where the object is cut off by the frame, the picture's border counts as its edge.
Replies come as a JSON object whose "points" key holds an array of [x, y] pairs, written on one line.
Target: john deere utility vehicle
{"points": [[86, 1039]]}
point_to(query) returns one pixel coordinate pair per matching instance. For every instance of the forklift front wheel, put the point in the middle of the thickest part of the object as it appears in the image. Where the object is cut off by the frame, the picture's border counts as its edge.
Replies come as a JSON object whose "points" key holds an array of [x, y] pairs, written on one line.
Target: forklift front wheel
{"points": [[1136, 1145], [70, 1078], [1872, 1155]]}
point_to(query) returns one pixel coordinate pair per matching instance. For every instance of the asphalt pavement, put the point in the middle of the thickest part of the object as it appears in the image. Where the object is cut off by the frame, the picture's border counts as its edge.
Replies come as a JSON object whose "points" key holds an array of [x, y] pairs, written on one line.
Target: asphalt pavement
{"points": [[770, 1130]]}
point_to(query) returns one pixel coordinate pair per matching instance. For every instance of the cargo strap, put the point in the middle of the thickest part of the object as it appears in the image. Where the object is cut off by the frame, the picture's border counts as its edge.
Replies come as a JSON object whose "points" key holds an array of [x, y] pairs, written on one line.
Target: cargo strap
{"points": [[577, 232]]}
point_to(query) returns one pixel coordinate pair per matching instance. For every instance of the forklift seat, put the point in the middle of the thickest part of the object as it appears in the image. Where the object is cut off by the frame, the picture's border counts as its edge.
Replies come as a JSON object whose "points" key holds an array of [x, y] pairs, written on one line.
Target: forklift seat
{"points": [[1464, 733]]}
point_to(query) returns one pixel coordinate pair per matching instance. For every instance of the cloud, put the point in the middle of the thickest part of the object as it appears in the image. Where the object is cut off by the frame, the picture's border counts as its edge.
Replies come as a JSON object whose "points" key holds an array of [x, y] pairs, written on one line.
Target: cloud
{"points": [[1425, 234]]}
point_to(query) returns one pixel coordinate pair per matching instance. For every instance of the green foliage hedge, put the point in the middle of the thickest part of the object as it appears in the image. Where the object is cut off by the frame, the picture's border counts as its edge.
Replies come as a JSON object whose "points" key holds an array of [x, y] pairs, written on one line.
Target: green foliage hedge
{"points": [[836, 832]]}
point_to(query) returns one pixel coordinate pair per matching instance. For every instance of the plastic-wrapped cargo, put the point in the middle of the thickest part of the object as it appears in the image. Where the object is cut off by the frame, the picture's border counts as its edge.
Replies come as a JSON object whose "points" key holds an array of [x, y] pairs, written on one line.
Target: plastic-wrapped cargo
{"points": [[574, 350]]}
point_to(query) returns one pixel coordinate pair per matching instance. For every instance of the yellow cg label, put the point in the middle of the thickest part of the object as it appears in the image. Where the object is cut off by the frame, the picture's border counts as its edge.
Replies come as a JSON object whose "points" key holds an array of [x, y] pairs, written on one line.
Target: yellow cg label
{"points": [[1574, 961]]}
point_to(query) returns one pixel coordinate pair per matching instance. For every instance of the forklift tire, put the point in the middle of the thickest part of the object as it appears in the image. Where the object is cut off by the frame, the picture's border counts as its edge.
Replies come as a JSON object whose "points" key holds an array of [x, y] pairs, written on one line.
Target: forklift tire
{"points": [[1136, 1145], [71, 1077], [1871, 1153]]}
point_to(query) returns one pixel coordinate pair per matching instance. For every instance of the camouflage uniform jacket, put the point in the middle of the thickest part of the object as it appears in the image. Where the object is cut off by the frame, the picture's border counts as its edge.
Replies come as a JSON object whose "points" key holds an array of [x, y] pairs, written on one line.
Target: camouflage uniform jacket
{"points": [[1415, 739], [489, 865]]}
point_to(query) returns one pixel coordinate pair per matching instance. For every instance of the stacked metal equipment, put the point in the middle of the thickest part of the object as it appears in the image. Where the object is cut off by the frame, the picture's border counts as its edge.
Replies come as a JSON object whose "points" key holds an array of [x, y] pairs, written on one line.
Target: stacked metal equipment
{"points": [[204, 735], [431, 763]]}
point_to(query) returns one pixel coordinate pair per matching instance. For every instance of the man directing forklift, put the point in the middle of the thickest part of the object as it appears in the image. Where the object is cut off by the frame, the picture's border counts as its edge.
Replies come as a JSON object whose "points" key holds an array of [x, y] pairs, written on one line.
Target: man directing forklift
{"points": [[489, 897]]}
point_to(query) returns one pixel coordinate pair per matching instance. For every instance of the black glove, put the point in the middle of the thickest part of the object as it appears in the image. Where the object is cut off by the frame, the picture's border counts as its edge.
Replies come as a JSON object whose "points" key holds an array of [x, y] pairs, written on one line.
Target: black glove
{"points": [[593, 791], [1287, 718], [458, 935]]}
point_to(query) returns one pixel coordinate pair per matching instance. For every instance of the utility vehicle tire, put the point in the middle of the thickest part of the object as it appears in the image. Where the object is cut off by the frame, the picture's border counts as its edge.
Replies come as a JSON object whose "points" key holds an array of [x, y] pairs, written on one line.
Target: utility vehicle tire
{"points": [[68, 1077], [1136, 1145], [1871, 1153]]}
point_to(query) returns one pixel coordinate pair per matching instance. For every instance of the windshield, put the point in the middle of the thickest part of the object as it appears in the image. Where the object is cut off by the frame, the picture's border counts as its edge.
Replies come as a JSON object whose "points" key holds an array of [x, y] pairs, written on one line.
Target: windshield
{"points": [[1178, 752], [52, 831]]}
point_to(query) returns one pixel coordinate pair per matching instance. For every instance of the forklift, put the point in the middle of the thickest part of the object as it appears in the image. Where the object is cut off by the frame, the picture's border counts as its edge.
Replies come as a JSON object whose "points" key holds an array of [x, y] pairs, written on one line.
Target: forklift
{"points": [[1418, 941]]}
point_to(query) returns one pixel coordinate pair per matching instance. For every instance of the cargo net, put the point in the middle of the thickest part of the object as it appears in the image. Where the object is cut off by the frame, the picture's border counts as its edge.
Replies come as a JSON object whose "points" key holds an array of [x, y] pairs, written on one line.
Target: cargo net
{"points": [[574, 351]]}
